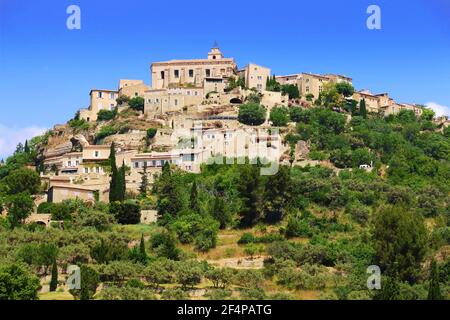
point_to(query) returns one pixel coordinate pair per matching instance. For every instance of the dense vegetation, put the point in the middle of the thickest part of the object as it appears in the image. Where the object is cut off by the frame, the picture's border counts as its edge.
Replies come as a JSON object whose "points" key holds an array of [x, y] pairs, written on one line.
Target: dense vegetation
{"points": [[317, 228]]}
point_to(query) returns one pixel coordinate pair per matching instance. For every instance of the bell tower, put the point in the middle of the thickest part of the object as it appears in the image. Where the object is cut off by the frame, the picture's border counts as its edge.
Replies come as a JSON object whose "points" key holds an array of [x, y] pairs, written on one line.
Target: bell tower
{"points": [[215, 52]]}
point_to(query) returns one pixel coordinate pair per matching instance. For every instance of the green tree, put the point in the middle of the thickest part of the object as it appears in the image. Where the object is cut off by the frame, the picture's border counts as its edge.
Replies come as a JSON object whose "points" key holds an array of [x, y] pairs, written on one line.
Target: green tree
{"points": [[22, 180], [114, 182], [89, 281], [250, 190], [19, 208], [194, 201], [279, 116], [169, 201], [390, 289], [252, 114], [189, 273], [345, 88], [277, 195], [26, 148], [221, 213], [54, 279], [362, 108], [399, 240], [144, 181], [121, 183], [291, 90], [428, 114], [142, 252], [137, 103], [434, 290], [17, 283]]}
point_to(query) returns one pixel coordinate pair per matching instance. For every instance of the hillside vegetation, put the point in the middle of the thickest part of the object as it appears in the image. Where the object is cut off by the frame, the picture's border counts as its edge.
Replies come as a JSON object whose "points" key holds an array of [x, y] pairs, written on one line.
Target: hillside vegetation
{"points": [[230, 233]]}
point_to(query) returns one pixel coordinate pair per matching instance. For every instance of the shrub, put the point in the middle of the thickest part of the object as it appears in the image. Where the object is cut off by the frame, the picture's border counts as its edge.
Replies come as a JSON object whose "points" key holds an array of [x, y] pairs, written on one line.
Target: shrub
{"points": [[106, 115], [122, 99], [137, 103], [151, 133], [279, 116], [128, 212], [106, 131], [246, 238], [252, 114]]}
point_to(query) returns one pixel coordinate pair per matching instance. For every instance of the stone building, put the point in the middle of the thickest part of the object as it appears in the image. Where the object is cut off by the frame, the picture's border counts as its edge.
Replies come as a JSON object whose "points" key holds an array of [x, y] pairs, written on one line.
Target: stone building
{"points": [[191, 73], [255, 76]]}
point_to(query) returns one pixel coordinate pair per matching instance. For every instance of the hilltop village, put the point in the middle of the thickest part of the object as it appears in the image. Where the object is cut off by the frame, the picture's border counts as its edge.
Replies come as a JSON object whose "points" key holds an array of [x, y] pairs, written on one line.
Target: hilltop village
{"points": [[219, 182], [187, 98]]}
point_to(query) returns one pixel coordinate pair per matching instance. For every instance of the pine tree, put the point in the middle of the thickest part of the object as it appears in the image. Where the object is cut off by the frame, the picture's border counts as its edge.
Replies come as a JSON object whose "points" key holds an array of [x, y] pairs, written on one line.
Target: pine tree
{"points": [[434, 290], [362, 109], [54, 279], [195, 206], [113, 195], [169, 201], [277, 195], [144, 181]]}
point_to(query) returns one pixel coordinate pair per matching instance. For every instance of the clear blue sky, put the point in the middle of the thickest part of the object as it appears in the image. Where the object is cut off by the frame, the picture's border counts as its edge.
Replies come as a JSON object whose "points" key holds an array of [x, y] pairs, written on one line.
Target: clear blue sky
{"points": [[46, 70]]}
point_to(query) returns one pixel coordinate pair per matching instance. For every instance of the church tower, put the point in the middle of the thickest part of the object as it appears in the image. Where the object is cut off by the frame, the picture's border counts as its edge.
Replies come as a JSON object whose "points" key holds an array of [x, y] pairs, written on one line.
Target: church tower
{"points": [[215, 52]]}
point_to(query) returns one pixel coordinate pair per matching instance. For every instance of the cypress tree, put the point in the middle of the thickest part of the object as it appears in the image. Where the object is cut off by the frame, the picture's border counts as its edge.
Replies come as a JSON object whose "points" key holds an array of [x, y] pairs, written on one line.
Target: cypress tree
{"points": [[362, 109], [113, 196], [144, 181], [122, 184], [54, 279], [434, 290], [142, 253], [26, 149], [195, 206]]}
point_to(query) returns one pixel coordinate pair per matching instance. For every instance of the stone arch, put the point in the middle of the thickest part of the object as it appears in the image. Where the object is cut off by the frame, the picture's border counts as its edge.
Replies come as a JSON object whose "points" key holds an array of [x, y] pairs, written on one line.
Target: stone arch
{"points": [[236, 100]]}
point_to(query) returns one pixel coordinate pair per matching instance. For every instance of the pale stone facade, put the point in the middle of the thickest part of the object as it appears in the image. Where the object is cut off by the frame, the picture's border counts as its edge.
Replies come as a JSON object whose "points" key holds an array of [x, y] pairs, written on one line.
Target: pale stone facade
{"points": [[255, 76], [160, 101], [374, 102], [176, 73], [132, 88], [100, 100]]}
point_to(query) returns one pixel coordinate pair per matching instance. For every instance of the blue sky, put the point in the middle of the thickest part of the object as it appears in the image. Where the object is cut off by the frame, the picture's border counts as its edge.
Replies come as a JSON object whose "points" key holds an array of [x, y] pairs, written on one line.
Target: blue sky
{"points": [[46, 70]]}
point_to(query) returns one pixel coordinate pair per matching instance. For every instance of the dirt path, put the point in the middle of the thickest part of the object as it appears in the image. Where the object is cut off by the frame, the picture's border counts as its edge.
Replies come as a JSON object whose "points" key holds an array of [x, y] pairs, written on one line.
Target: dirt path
{"points": [[239, 263]]}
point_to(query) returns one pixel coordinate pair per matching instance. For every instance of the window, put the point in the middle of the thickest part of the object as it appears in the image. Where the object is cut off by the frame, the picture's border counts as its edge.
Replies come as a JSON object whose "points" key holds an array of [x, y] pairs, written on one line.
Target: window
{"points": [[176, 73], [100, 95], [97, 169], [307, 89], [154, 163], [86, 170], [111, 95], [77, 163], [208, 72], [135, 94], [96, 154], [111, 106], [259, 78], [191, 73], [175, 102], [162, 75], [214, 57], [69, 163], [136, 164]]}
